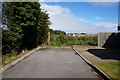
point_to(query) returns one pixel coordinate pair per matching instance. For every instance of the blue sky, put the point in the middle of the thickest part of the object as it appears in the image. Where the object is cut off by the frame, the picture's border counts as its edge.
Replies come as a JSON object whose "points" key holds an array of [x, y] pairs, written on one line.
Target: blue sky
{"points": [[89, 17]]}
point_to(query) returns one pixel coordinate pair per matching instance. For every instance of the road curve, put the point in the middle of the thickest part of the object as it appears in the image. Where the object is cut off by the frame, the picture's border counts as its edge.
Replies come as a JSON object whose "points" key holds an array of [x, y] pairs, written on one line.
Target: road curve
{"points": [[51, 63]]}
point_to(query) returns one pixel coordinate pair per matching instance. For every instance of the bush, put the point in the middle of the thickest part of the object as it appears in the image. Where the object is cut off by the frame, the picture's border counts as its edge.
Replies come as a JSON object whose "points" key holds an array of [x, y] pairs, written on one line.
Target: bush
{"points": [[62, 39]]}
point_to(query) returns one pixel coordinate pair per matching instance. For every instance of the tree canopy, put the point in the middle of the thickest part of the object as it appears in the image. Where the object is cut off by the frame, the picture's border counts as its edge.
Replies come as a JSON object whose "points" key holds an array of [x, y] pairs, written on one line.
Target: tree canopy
{"points": [[27, 25], [57, 32]]}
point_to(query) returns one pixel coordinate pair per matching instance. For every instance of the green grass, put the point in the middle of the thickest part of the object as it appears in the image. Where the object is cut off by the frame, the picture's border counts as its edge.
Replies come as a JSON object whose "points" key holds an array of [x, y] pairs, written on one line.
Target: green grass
{"points": [[64, 40], [111, 69]]}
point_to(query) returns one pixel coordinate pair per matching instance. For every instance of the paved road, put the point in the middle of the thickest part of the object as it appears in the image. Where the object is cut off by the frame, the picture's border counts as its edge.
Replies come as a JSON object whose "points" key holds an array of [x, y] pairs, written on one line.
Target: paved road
{"points": [[51, 63]]}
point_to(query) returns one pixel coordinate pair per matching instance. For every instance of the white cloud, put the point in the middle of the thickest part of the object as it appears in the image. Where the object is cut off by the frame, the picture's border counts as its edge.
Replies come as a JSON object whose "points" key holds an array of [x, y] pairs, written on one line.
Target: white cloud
{"points": [[105, 4], [54, 10], [83, 20], [98, 18], [106, 24], [79, 0], [63, 19]]}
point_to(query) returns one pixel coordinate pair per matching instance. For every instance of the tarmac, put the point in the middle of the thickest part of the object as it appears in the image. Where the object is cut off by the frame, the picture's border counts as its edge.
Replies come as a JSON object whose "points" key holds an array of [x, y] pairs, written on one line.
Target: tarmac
{"points": [[52, 63]]}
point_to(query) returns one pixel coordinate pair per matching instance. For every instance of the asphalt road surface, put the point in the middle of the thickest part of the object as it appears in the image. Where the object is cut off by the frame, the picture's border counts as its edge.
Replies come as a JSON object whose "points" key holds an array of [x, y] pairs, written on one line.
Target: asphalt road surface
{"points": [[51, 63]]}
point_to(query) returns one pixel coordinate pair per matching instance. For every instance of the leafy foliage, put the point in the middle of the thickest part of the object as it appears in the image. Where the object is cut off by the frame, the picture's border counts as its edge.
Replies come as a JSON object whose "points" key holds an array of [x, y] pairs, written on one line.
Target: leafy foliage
{"points": [[43, 27], [57, 32], [12, 37], [27, 26]]}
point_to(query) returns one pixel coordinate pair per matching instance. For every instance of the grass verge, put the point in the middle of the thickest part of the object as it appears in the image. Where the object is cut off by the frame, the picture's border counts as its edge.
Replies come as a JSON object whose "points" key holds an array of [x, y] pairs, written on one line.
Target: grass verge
{"points": [[111, 69], [8, 58]]}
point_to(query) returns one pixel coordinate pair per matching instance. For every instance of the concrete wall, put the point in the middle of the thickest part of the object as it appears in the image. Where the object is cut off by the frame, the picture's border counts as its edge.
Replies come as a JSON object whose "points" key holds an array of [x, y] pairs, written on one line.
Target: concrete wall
{"points": [[109, 40]]}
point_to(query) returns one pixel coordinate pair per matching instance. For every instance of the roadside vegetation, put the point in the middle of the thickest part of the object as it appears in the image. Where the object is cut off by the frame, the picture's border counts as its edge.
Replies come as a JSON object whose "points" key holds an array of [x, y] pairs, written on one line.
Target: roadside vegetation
{"points": [[8, 58], [65, 40], [59, 38], [24, 27], [111, 69]]}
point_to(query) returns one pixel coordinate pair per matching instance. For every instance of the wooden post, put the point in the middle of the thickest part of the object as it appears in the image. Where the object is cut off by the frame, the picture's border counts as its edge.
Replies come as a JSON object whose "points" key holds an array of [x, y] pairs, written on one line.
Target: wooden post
{"points": [[48, 42]]}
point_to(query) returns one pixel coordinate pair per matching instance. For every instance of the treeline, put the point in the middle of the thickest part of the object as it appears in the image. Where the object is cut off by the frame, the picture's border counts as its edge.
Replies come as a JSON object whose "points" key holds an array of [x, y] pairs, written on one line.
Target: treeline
{"points": [[56, 32], [25, 26]]}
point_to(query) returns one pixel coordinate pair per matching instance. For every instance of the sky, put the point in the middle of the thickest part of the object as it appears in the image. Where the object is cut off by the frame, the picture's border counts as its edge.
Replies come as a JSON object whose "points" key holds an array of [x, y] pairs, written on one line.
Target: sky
{"points": [[78, 17]]}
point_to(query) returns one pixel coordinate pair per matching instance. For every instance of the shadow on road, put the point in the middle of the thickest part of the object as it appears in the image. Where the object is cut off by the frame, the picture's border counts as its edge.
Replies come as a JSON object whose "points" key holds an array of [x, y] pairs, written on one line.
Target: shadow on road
{"points": [[106, 53]]}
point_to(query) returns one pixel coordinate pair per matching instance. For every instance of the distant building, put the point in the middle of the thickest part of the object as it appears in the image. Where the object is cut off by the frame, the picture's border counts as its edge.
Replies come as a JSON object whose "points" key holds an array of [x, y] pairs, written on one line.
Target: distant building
{"points": [[80, 34], [73, 34]]}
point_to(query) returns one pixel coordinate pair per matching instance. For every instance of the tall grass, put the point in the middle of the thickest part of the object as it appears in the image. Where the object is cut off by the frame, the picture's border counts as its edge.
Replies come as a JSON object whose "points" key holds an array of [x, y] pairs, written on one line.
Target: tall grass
{"points": [[10, 57], [60, 40]]}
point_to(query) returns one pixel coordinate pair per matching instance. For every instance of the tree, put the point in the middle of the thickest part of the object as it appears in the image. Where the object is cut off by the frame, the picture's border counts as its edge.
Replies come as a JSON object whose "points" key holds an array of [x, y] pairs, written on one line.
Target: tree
{"points": [[30, 24], [12, 36], [27, 25], [43, 27], [83, 33], [57, 32]]}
